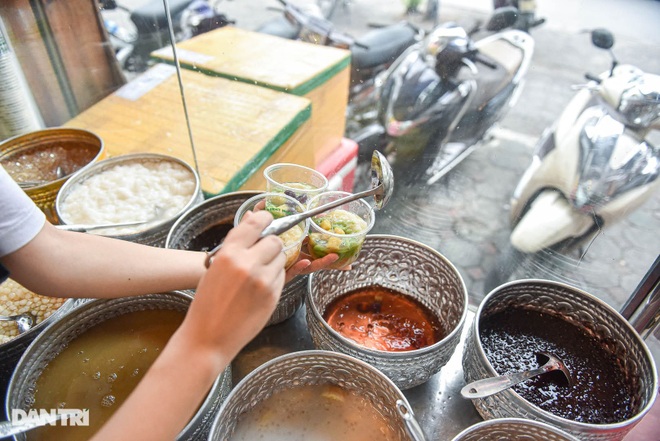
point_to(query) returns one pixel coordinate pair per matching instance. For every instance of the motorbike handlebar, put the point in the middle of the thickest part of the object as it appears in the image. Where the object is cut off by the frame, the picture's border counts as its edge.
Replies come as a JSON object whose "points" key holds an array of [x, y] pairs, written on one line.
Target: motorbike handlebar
{"points": [[318, 25], [592, 77]]}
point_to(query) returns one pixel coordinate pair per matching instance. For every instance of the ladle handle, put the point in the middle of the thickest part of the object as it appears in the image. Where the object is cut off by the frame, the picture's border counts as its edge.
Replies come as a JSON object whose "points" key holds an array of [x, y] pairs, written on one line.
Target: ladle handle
{"points": [[81, 228], [279, 226], [412, 426], [492, 385]]}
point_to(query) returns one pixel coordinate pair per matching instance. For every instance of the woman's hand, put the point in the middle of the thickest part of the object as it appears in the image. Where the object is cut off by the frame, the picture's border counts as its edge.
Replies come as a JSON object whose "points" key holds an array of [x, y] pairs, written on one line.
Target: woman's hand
{"points": [[239, 292]]}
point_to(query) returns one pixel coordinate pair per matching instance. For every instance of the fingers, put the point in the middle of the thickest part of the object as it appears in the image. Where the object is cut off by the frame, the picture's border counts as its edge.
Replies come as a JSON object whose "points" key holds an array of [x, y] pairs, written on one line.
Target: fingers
{"points": [[297, 269], [248, 231], [323, 262]]}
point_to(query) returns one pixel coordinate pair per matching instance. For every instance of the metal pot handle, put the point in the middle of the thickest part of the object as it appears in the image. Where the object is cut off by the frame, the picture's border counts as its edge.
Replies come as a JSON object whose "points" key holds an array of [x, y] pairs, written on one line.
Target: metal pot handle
{"points": [[413, 427]]}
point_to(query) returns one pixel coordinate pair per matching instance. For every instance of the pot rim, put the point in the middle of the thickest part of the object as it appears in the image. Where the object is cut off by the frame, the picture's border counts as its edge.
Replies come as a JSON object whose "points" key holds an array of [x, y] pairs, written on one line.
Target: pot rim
{"points": [[565, 422], [203, 206], [514, 420], [388, 355]]}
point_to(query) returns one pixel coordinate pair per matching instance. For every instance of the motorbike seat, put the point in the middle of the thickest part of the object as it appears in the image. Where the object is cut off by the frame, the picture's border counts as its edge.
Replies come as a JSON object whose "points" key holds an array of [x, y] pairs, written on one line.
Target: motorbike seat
{"points": [[491, 82], [151, 16], [280, 27], [382, 45]]}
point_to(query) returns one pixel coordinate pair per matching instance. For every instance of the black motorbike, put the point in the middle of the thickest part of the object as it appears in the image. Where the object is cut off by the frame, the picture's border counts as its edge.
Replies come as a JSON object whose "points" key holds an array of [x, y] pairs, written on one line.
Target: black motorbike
{"points": [[371, 54], [438, 100], [151, 31]]}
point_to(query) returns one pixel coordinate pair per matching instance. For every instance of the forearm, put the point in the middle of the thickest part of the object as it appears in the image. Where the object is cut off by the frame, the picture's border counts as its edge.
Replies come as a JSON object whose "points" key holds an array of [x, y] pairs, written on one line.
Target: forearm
{"points": [[66, 264], [166, 398]]}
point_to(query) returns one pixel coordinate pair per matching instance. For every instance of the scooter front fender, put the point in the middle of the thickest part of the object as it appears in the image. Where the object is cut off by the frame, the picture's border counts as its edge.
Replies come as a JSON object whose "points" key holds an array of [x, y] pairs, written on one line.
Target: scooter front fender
{"points": [[549, 220]]}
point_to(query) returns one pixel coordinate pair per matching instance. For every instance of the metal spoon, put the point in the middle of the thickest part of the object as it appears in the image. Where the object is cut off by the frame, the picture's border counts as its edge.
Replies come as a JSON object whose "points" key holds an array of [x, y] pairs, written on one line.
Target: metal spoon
{"points": [[382, 186], [24, 321], [81, 228], [59, 172], [489, 386]]}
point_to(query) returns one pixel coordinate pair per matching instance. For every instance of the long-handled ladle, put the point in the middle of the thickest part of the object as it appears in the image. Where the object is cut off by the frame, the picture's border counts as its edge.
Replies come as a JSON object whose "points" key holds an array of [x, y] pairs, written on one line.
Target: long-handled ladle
{"points": [[492, 385], [82, 228], [382, 186]]}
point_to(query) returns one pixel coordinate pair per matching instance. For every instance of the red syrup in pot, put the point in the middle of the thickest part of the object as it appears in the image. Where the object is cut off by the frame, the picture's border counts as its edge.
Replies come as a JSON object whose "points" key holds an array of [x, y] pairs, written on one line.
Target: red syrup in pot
{"points": [[383, 319], [601, 393]]}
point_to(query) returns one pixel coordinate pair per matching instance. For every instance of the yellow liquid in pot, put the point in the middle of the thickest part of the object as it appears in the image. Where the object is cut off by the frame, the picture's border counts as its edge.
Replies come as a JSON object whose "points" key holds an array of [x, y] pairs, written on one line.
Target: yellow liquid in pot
{"points": [[100, 368], [314, 413]]}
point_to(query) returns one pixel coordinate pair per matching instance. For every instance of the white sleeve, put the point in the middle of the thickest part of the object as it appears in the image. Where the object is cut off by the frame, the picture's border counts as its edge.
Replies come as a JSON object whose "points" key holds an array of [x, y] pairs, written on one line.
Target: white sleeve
{"points": [[20, 218]]}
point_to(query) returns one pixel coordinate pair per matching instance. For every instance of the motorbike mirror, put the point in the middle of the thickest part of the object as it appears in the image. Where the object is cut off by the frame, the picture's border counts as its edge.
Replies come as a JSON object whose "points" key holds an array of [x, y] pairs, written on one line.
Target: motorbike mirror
{"points": [[108, 4], [502, 18], [602, 38]]}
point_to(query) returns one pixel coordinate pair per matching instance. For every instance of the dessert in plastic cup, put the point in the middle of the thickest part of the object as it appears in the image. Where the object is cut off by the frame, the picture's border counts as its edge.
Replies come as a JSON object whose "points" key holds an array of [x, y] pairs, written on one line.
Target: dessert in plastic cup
{"points": [[341, 230], [300, 182], [279, 205]]}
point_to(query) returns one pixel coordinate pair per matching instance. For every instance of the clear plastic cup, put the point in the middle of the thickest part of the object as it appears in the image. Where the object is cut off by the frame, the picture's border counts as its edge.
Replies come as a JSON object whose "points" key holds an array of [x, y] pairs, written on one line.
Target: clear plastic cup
{"points": [[300, 182], [279, 205], [341, 230]]}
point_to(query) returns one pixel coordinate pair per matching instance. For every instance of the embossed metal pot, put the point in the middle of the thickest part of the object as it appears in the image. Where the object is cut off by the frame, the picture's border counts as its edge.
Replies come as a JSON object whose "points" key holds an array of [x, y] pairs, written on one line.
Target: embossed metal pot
{"points": [[154, 233], [513, 429], [54, 339], [408, 267], [71, 140], [306, 368], [12, 351], [585, 311], [220, 210]]}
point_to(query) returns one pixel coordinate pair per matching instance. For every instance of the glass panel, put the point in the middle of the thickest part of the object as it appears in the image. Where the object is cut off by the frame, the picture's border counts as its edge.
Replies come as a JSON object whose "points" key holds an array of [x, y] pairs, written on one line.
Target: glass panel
{"points": [[500, 164]]}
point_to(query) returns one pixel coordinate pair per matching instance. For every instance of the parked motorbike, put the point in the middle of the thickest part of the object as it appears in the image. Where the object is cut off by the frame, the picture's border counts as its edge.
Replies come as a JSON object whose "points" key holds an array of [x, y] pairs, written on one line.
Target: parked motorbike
{"points": [[134, 46], [594, 165], [527, 18], [437, 101], [371, 54]]}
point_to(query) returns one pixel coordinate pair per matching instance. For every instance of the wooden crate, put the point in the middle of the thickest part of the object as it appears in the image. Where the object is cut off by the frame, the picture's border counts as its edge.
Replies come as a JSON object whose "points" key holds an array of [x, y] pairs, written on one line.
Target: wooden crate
{"points": [[238, 129], [319, 73]]}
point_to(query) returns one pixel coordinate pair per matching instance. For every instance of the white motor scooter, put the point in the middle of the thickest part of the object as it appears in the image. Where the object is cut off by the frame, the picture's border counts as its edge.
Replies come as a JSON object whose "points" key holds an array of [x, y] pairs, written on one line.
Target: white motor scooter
{"points": [[595, 165]]}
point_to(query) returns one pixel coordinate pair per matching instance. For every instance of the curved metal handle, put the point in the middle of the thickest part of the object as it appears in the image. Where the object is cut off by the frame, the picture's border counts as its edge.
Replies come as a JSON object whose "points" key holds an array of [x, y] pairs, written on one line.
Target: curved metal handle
{"points": [[279, 226], [81, 228], [414, 429], [489, 386]]}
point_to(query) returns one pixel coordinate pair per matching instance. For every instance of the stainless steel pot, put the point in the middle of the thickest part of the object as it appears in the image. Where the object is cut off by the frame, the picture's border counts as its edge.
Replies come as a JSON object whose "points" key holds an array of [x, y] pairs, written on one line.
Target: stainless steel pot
{"points": [[55, 338], [585, 311], [311, 368], [154, 234], [408, 267], [513, 429]]}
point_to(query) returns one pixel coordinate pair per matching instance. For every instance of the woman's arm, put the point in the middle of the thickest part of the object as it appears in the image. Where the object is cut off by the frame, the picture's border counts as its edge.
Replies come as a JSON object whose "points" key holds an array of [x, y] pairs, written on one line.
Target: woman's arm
{"points": [[68, 264], [233, 302]]}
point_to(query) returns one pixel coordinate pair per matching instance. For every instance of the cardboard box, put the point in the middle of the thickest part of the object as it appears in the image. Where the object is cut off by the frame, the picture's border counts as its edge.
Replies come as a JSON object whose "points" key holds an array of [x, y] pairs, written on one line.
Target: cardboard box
{"points": [[319, 73], [237, 129]]}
